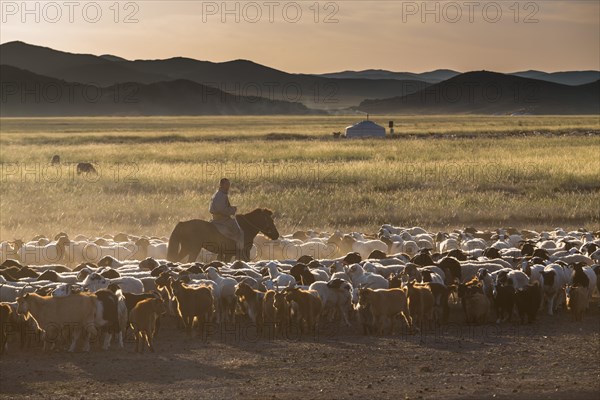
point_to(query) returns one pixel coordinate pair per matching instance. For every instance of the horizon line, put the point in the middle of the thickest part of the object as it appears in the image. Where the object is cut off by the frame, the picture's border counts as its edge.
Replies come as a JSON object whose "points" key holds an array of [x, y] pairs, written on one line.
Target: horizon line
{"points": [[296, 73]]}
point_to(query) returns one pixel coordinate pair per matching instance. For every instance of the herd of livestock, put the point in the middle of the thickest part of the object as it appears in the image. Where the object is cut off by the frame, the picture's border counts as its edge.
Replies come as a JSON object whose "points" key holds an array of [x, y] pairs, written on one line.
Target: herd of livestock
{"points": [[74, 289]]}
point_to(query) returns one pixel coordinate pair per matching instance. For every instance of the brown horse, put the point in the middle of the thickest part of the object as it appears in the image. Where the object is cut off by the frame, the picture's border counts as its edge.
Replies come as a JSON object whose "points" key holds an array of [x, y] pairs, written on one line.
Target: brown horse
{"points": [[189, 237]]}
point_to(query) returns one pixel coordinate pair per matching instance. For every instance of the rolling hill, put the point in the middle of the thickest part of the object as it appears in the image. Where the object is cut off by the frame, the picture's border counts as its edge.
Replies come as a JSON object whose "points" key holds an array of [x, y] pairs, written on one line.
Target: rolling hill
{"points": [[483, 92], [24, 93], [185, 86], [436, 76], [572, 78], [240, 77]]}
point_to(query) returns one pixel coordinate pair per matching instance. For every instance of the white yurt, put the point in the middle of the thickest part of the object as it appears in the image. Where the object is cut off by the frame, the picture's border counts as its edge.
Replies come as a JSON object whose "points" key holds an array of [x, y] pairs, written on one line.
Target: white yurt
{"points": [[365, 129]]}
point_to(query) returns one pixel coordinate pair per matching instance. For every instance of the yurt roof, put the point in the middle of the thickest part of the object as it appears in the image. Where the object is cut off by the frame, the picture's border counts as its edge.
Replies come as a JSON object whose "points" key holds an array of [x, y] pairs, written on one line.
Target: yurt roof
{"points": [[367, 125]]}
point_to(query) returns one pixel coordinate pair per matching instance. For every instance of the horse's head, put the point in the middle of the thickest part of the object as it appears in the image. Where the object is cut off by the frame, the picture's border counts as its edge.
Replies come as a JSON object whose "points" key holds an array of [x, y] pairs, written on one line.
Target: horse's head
{"points": [[262, 218]]}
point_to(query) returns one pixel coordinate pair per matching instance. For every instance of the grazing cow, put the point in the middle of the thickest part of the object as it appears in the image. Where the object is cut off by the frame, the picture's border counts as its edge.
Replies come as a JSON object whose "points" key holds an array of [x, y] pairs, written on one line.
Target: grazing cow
{"points": [[308, 307], [420, 303], [193, 302], [5, 319], [86, 168], [79, 311], [385, 304], [577, 301], [143, 320], [527, 300]]}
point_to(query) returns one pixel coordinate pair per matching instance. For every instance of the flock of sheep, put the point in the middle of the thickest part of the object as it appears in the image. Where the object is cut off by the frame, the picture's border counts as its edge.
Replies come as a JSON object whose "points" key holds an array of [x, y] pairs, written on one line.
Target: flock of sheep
{"points": [[108, 285]]}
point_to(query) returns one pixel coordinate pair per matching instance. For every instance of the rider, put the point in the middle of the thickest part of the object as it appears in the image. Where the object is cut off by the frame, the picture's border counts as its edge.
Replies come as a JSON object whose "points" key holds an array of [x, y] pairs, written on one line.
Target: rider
{"points": [[223, 215]]}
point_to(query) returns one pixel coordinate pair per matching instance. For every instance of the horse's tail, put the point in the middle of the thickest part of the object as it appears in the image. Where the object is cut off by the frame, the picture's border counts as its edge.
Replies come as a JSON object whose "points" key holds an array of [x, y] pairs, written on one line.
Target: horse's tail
{"points": [[173, 249]]}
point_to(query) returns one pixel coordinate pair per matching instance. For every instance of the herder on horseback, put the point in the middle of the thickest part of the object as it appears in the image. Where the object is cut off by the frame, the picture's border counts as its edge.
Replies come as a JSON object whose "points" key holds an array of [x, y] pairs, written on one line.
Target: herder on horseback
{"points": [[228, 235], [223, 215]]}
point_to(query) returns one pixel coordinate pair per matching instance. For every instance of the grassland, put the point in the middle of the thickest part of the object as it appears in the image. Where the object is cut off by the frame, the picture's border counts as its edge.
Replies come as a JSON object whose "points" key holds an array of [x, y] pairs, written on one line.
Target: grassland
{"points": [[154, 172]]}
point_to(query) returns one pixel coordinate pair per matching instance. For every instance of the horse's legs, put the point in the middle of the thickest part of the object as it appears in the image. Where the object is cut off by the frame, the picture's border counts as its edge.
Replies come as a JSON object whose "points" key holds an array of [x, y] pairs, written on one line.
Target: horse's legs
{"points": [[193, 254]]}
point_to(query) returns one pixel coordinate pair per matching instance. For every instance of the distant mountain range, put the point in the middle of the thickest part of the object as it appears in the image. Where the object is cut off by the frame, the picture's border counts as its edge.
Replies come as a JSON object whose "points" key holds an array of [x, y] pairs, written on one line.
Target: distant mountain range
{"points": [[564, 78], [436, 76], [27, 94], [110, 85], [485, 92], [240, 77]]}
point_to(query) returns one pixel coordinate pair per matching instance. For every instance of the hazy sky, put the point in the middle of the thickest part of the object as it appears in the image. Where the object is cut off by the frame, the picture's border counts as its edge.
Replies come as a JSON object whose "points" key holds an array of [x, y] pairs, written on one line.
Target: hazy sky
{"points": [[503, 36]]}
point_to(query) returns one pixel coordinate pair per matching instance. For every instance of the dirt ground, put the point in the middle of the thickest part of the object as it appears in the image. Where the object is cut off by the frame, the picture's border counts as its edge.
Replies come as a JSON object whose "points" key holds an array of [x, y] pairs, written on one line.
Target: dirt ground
{"points": [[554, 358]]}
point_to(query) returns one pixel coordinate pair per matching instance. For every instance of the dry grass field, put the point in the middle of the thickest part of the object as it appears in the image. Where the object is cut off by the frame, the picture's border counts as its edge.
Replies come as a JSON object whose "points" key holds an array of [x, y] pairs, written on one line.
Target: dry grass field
{"points": [[441, 172]]}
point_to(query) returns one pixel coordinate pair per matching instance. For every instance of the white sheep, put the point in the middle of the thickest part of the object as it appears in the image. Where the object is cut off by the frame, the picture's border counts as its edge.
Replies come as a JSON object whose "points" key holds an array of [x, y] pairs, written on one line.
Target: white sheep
{"points": [[10, 292], [226, 292], [94, 282], [336, 296], [573, 258], [50, 253], [555, 279], [280, 279], [448, 244], [361, 279]]}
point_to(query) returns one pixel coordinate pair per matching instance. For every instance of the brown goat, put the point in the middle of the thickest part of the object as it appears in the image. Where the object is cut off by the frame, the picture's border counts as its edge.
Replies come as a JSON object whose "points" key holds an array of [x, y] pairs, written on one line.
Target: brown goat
{"points": [[577, 301], [252, 299], [269, 313], [477, 306], [143, 322], [5, 320], [385, 304], [193, 302], [282, 312], [309, 307], [420, 302]]}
